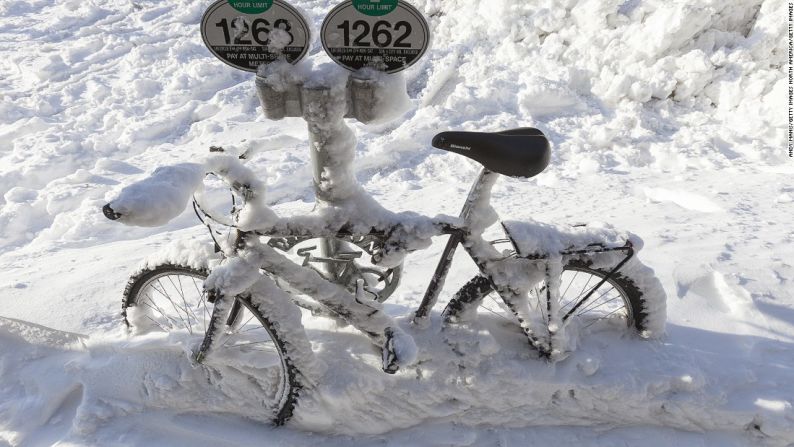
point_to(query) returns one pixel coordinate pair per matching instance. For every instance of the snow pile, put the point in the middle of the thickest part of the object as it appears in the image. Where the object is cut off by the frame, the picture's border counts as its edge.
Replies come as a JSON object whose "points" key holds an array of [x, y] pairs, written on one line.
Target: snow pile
{"points": [[467, 376], [624, 67], [614, 85]]}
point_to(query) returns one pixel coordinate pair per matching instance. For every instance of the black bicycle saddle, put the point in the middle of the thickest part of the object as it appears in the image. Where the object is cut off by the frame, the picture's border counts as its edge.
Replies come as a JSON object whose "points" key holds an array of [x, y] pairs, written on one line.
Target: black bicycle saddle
{"points": [[523, 152]]}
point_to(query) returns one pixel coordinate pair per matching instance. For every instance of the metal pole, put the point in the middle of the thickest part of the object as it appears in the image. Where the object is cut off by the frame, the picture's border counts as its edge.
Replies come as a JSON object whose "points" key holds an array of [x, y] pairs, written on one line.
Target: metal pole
{"points": [[332, 142], [332, 145]]}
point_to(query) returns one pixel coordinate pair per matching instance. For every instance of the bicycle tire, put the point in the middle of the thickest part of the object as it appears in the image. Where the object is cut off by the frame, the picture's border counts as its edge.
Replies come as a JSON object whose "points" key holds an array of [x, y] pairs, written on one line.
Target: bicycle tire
{"points": [[287, 385]]}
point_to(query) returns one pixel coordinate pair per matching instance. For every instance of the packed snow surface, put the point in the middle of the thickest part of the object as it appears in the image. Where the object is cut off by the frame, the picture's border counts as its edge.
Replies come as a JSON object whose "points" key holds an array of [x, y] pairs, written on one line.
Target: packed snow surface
{"points": [[666, 120]]}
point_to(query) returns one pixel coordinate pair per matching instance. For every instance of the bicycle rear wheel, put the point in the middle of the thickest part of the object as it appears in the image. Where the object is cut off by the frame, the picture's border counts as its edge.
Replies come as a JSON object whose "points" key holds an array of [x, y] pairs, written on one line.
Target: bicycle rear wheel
{"points": [[170, 299], [592, 303], [588, 302], [629, 299]]}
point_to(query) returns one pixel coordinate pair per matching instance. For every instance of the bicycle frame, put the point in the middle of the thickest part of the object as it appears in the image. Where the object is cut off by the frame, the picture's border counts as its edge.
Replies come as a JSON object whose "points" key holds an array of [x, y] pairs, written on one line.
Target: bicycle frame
{"points": [[481, 189], [467, 231]]}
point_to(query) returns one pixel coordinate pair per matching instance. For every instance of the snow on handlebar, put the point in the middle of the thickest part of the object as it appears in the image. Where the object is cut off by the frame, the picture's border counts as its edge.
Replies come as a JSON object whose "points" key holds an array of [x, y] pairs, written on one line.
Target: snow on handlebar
{"points": [[157, 199], [162, 196]]}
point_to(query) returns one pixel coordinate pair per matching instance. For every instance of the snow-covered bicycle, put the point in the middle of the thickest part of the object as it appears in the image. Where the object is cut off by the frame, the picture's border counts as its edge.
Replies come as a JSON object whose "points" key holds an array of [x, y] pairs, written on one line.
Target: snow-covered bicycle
{"points": [[554, 283]]}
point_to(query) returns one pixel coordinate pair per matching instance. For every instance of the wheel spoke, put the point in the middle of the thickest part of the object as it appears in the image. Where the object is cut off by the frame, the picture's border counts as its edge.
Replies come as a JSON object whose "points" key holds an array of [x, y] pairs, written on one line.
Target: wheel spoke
{"points": [[585, 286], [541, 307], [187, 309], [155, 307], [584, 297], [590, 300], [593, 302], [601, 318], [184, 300], [167, 302], [156, 323], [176, 309], [493, 311], [202, 302], [596, 307], [268, 342], [569, 284], [246, 323]]}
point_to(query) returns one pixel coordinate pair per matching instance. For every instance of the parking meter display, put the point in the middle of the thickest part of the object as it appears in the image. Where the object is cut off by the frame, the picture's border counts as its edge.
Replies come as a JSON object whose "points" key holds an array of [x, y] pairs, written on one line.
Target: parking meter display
{"points": [[387, 35], [246, 41]]}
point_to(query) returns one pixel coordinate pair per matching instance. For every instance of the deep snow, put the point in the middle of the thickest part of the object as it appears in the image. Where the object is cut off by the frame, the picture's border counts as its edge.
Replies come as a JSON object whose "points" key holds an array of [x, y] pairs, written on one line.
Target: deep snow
{"points": [[666, 119]]}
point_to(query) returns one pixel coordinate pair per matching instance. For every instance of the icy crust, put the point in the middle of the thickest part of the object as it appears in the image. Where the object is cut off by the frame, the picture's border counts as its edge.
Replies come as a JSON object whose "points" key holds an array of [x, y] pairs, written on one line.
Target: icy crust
{"points": [[195, 253], [282, 75], [404, 231], [467, 375], [354, 210], [654, 297], [159, 197], [390, 94]]}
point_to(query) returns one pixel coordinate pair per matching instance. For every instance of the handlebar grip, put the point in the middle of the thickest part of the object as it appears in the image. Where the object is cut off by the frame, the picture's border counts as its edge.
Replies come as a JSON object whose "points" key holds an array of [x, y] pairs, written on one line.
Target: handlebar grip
{"points": [[109, 213]]}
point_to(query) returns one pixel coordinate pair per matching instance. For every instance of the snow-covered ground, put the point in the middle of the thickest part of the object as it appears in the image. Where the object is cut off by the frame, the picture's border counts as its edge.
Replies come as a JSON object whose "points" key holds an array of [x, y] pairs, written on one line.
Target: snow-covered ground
{"points": [[666, 118]]}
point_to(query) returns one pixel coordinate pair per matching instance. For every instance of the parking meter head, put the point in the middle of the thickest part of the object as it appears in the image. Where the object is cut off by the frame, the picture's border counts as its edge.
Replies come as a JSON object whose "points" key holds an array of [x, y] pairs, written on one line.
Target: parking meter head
{"points": [[385, 35], [274, 102], [246, 35]]}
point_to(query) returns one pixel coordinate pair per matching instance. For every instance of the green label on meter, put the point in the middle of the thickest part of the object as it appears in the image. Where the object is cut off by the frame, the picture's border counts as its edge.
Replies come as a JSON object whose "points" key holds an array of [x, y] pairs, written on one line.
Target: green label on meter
{"points": [[375, 7], [252, 6]]}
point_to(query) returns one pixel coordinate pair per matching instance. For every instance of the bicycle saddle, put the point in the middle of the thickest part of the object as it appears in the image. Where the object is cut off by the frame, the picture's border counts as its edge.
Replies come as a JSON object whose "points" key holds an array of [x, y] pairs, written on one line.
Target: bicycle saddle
{"points": [[523, 152]]}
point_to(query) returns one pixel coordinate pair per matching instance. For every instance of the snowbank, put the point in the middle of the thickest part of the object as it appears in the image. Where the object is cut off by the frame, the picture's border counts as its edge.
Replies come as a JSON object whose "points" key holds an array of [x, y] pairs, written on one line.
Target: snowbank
{"points": [[469, 377]]}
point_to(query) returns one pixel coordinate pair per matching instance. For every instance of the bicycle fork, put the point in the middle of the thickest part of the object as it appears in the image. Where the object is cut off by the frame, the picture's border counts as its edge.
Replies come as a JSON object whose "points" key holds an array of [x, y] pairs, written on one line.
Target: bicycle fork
{"points": [[224, 313]]}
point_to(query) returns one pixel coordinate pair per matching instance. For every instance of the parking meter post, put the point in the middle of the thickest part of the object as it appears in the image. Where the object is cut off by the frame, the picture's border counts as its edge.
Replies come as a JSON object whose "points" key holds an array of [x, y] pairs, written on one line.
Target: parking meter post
{"points": [[332, 145]]}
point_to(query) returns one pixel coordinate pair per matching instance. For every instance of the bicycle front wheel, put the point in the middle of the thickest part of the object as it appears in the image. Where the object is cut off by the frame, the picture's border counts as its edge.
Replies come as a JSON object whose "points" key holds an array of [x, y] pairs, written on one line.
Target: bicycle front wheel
{"points": [[170, 299]]}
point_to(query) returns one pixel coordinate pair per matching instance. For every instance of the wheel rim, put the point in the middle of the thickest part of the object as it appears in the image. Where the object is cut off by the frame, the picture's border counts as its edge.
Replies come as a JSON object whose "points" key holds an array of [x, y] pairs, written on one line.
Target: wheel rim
{"points": [[175, 303]]}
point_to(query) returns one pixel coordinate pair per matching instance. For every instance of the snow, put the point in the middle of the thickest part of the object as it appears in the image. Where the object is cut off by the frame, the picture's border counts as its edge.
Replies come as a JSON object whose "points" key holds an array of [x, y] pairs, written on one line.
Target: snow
{"points": [[160, 197], [665, 120]]}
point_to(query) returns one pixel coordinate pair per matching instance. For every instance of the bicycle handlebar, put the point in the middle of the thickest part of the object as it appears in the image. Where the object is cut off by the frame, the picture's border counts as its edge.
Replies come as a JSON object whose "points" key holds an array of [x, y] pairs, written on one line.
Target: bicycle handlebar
{"points": [[109, 213]]}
